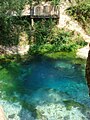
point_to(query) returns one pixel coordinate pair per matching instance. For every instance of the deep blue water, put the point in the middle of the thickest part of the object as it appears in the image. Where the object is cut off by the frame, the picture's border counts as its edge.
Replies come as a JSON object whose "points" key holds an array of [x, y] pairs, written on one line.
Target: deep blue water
{"points": [[52, 74], [42, 81]]}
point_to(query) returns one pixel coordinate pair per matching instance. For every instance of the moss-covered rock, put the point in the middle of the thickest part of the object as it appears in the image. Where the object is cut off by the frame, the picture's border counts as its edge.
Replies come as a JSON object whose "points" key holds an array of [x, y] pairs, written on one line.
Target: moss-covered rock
{"points": [[70, 103]]}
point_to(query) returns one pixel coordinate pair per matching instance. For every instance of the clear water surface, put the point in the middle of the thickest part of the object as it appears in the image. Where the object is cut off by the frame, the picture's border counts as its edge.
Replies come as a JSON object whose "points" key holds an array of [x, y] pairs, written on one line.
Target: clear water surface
{"points": [[44, 89]]}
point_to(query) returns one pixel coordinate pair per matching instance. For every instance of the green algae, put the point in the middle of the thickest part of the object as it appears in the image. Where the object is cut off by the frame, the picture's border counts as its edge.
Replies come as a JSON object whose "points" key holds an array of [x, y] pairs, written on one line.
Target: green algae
{"points": [[70, 56], [64, 55], [70, 103]]}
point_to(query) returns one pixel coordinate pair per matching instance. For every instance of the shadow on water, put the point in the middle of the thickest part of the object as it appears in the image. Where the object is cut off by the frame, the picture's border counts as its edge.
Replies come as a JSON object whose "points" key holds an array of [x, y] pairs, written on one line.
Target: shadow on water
{"points": [[42, 82]]}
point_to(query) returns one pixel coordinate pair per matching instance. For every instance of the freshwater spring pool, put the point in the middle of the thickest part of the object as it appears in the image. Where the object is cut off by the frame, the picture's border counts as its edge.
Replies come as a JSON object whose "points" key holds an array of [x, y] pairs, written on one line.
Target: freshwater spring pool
{"points": [[44, 89]]}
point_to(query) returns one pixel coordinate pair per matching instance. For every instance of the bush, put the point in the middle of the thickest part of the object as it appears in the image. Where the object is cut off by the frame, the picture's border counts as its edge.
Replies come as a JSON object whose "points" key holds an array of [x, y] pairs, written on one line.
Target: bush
{"points": [[81, 13], [49, 38]]}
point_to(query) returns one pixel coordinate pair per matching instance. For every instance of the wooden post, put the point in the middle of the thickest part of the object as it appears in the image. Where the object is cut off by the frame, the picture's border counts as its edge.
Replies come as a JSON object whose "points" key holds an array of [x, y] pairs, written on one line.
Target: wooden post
{"points": [[2, 115], [32, 22]]}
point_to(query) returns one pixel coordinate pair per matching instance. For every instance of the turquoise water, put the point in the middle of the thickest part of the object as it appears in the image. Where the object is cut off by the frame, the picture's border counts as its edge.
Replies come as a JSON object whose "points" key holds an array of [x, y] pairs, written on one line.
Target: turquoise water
{"points": [[44, 89]]}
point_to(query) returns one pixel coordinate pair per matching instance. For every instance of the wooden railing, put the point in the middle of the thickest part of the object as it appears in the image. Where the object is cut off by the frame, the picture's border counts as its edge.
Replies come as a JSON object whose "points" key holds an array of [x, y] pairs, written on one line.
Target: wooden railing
{"points": [[41, 10]]}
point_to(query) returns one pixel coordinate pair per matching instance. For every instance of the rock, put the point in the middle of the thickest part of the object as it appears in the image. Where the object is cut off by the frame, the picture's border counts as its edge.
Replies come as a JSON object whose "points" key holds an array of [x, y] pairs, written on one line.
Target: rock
{"points": [[2, 115], [11, 116], [83, 52], [59, 112], [71, 103]]}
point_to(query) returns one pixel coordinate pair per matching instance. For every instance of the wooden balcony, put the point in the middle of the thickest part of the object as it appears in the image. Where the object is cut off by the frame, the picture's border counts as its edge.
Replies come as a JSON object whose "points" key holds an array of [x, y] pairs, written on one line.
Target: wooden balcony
{"points": [[43, 10]]}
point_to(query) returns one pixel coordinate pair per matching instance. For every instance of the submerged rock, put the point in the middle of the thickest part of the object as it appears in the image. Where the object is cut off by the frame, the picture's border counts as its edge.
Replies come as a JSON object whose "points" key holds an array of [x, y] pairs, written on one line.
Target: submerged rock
{"points": [[71, 103], [59, 112], [48, 104], [14, 111], [11, 116]]}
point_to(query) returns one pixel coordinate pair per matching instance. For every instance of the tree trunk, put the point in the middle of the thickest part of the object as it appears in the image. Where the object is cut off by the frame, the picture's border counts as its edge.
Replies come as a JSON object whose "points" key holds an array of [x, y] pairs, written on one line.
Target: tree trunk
{"points": [[88, 70]]}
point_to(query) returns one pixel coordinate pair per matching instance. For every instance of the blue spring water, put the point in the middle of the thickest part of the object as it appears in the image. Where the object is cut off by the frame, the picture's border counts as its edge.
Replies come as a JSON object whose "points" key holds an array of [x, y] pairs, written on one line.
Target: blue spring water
{"points": [[44, 81]]}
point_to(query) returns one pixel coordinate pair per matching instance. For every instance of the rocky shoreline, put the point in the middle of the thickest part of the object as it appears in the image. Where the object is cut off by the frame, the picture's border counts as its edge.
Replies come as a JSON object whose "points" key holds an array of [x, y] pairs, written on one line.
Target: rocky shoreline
{"points": [[83, 52], [2, 114]]}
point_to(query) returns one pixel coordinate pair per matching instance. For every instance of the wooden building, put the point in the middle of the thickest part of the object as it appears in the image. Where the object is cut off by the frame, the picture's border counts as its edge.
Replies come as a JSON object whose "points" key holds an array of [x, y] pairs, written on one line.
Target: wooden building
{"points": [[43, 10]]}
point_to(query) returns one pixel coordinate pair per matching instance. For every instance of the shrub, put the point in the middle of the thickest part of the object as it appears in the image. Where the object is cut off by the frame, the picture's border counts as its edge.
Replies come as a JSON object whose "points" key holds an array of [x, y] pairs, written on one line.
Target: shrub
{"points": [[49, 38], [81, 13]]}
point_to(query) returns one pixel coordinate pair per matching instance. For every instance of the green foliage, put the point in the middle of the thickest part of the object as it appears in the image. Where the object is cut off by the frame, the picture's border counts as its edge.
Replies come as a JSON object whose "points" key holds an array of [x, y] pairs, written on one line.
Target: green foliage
{"points": [[59, 40], [65, 40], [42, 31], [55, 2], [49, 38], [45, 48], [61, 55], [81, 13], [45, 36], [10, 28]]}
